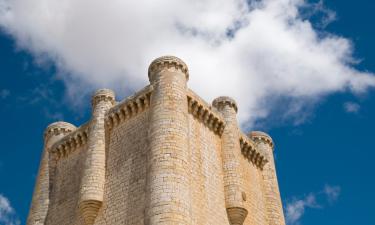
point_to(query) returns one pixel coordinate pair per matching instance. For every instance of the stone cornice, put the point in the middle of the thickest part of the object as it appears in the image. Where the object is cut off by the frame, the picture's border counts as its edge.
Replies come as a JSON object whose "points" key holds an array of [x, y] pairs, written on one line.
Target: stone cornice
{"points": [[205, 113], [249, 150], [70, 142], [223, 101], [167, 62], [129, 107]]}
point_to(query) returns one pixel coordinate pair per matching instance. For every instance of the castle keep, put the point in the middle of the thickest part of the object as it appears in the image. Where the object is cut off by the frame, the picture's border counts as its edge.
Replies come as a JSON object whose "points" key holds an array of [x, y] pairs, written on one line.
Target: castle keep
{"points": [[160, 156]]}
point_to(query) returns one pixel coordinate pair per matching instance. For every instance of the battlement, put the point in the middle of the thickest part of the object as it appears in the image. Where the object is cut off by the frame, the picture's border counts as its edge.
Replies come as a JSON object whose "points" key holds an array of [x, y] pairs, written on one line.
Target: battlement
{"points": [[129, 107], [251, 152], [160, 156], [137, 103], [70, 142]]}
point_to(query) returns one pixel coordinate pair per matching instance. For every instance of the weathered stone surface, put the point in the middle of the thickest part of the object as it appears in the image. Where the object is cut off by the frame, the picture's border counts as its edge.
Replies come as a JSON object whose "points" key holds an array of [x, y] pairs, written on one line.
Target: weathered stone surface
{"points": [[160, 156]]}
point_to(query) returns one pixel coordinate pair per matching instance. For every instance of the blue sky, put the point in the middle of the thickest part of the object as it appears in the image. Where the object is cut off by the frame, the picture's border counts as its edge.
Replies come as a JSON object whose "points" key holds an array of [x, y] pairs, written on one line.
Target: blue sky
{"points": [[325, 161]]}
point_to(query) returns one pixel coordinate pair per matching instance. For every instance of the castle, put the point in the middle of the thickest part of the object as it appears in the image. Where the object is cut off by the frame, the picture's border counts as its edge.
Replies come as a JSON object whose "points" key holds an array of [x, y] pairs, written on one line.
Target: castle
{"points": [[160, 156]]}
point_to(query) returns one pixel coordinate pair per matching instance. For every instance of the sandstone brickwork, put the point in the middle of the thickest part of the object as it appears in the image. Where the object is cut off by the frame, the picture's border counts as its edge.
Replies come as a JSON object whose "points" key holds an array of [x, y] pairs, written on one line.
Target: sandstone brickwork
{"points": [[160, 156]]}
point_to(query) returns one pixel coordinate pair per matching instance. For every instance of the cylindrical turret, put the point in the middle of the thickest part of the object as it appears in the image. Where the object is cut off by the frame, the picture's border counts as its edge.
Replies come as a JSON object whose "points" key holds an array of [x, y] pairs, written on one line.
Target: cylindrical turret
{"points": [[231, 161], [93, 178], [39, 204], [271, 193], [169, 200]]}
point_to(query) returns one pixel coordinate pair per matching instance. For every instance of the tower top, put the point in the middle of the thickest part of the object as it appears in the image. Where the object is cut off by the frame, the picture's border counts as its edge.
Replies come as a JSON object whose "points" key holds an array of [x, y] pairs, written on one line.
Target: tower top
{"points": [[103, 94], [57, 128], [260, 135], [225, 100], [168, 62]]}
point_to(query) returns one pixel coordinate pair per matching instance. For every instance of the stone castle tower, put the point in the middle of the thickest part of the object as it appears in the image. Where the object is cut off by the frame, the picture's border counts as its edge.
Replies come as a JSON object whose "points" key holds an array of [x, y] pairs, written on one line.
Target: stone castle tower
{"points": [[160, 156]]}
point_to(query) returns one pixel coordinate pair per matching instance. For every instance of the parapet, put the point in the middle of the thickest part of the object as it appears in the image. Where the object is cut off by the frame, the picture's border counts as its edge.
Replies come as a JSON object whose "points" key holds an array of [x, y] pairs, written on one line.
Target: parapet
{"points": [[70, 142], [58, 128], [103, 95], [259, 135], [204, 113], [167, 62], [129, 107], [223, 101]]}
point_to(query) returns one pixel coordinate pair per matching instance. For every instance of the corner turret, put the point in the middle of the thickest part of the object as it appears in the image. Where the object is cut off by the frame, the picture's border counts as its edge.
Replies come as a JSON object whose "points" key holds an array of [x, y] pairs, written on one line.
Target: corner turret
{"points": [[92, 183], [233, 185], [40, 201], [271, 193], [169, 151]]}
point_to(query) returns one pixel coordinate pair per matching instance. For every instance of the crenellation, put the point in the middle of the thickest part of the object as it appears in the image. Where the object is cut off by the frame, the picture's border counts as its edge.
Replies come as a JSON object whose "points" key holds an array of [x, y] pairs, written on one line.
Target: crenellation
{"points": [[128, 108], [162, 156], [71, 141], [203, 112], [251, 152]]}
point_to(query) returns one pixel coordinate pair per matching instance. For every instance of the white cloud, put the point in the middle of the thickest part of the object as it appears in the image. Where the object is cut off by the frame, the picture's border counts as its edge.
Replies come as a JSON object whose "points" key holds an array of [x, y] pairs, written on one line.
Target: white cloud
{"points": [[351, 107], [7, 213], [258, 53], [295, 209]]}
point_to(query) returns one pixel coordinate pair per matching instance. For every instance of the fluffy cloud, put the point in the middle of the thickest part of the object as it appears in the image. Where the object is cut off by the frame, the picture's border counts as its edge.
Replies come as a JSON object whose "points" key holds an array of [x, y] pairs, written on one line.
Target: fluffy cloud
{"points": [[295, 209], [7, 213], [259, 52]]}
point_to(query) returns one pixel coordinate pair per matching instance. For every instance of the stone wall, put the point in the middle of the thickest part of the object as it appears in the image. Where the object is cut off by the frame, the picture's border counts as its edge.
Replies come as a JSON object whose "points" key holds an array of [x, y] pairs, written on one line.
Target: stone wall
{"points": [[64, 192], [253, 189], [125, 187], [207, 175]]}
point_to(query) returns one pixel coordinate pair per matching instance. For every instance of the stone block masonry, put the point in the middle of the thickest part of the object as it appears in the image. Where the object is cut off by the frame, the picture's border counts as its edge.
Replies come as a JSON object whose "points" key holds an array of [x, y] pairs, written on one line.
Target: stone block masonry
{"points": [[162, 156]]}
